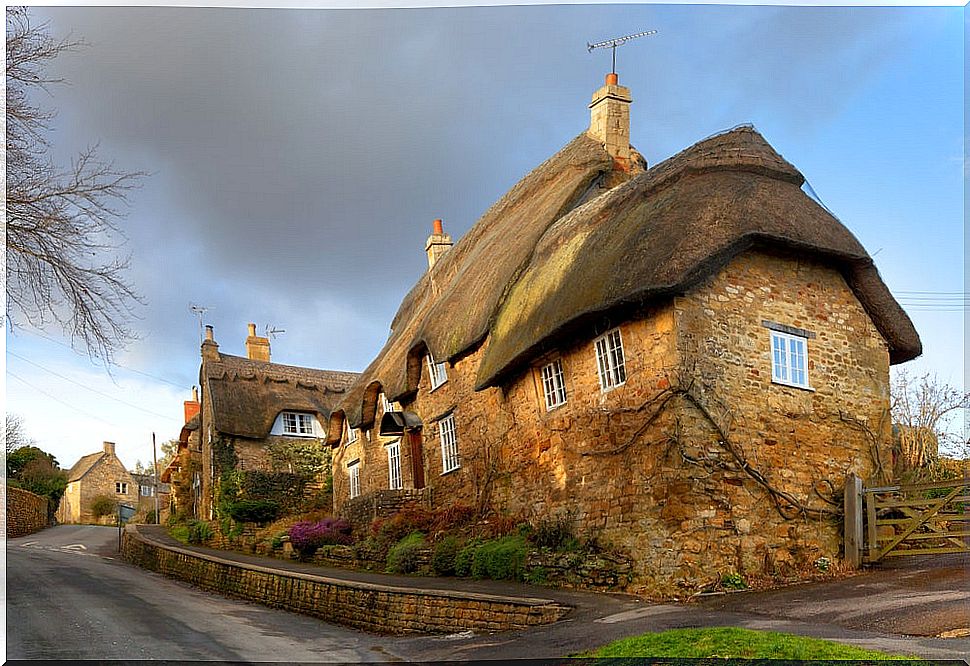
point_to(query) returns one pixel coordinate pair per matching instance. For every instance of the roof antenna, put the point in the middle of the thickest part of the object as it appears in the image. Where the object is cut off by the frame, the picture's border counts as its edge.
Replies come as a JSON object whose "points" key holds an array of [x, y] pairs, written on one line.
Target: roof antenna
{"points": [[199, 310], [272, 331], [619, 41]]}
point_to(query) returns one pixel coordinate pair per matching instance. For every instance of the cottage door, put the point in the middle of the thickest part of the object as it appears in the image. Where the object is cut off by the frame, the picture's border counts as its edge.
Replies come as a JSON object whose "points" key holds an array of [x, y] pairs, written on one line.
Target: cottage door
{"points": [[417, 458]]}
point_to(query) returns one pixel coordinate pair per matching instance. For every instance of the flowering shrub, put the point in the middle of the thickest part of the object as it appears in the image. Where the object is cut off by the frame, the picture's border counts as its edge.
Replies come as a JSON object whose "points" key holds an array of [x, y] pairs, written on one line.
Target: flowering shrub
{"points": [[307, 536]]}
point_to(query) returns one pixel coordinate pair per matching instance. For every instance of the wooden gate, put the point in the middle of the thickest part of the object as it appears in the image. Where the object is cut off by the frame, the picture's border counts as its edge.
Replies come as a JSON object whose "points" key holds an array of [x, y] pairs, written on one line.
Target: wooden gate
{"points": [[913, 519]]}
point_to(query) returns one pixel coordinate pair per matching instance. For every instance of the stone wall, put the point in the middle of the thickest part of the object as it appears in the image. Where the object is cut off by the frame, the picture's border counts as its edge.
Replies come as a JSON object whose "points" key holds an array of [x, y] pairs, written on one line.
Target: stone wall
{"points": [[672, 466], [360, 511], [26, 512], [370, 607]]}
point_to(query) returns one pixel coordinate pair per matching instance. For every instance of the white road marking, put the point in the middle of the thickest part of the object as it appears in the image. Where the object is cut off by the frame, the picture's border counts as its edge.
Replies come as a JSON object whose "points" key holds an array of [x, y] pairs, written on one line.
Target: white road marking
{"points": [[636, 613], [75, 546]]}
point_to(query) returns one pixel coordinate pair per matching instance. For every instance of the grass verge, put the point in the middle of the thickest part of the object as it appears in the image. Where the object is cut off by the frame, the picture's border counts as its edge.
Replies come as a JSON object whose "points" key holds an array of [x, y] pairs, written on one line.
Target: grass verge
{"points": [[735, 643]]}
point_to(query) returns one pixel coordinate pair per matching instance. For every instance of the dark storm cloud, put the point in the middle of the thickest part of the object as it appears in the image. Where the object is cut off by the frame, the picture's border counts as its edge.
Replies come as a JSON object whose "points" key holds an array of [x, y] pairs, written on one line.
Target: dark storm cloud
{"points": [[299, 156]]}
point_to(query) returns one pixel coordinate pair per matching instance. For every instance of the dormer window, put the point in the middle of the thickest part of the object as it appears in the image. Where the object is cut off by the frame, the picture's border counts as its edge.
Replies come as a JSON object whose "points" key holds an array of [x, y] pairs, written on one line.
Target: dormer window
{"points": [[386, 405], [351, 434], [297, 423], [437, 372]]}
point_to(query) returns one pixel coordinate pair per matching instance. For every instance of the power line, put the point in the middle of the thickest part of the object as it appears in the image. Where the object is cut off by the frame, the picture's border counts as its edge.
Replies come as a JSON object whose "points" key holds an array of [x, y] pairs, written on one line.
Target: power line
{"points": [[56, 399], [129, 369], [93, 390]]}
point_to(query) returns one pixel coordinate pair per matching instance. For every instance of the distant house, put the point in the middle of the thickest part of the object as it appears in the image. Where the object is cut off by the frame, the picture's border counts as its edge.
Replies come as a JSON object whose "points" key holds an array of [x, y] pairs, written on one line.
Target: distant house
{"points": [[256, 415], [685, 359], [184, 471], [94, 475], [146, 496]]}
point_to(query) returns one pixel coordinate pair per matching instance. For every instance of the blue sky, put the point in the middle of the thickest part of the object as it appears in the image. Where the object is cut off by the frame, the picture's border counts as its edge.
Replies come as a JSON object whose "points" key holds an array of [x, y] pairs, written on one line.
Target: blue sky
{"points": [[299, 156]]}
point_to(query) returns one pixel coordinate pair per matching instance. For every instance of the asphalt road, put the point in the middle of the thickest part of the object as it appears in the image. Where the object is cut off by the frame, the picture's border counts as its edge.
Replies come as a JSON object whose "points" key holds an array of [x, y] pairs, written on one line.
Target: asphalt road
{"points": [[69, 598]]}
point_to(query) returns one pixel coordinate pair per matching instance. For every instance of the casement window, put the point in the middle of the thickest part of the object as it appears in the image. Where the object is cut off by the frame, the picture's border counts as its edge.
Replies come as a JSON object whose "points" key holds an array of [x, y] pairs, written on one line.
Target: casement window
{"points": [[146, 491], [353, 471], [437, 372], [553, 386], [121, 487], [386, 405], [609, 360], [296, 423], [449, 444], [351, 434], [789, 359], [394, 465]]}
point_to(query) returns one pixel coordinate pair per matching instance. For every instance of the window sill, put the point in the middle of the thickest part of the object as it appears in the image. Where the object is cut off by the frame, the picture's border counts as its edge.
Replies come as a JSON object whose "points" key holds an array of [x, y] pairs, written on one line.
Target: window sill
{"points": [[611, 388], [549, 410], [795, 386], [451, 471], [435, 388]]}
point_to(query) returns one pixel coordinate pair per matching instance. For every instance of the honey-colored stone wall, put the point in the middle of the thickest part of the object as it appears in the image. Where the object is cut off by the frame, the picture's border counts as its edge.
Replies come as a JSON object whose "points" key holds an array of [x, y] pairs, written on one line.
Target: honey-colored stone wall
{"points": [[368, 606], [679, 465], [26, 512]]}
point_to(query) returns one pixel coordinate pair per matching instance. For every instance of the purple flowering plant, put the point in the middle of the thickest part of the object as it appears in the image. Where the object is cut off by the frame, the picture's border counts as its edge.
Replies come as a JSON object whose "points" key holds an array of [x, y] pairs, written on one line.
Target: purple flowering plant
{"points": [[307, 536]]}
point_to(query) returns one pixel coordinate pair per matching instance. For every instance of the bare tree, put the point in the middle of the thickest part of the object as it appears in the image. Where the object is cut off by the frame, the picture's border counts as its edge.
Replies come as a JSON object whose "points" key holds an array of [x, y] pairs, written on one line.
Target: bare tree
{"points": [[16, 436], [922, 409], [62, 238]]}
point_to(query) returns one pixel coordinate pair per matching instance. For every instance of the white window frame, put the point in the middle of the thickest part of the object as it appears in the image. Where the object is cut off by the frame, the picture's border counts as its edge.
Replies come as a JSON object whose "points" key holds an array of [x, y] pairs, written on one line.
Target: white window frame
{"points": [[145, 491], [449, 444], [789, 359], [436, 372], [351, 434], [610, 360], [298, 424], [121, 487], [386, 405], [353, 473], [553, 384], [394, 481]]}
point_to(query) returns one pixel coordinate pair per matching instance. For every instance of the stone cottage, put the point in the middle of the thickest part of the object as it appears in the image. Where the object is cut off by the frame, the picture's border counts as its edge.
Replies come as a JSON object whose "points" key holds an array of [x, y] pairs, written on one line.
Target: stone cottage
{"points": [[184, 472], [255, 415], [686, 359], [94, 475]]}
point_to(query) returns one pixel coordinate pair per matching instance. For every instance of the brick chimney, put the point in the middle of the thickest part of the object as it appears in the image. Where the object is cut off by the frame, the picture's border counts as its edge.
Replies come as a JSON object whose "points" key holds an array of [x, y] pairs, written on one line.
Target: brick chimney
{"points": [[210, 348], [257, 348], [109, 448], [192, 406], [438, 243], [609, 121]]}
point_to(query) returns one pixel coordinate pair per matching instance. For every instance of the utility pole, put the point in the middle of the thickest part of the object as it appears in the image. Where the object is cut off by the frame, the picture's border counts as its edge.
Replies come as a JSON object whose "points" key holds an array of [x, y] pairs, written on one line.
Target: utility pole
{"points": [[155, 467]]}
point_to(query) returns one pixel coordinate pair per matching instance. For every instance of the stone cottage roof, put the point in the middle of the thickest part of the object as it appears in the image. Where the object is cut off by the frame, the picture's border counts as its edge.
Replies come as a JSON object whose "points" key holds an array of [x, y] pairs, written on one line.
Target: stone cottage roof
{"points": [[573, 242], [248, 395], [84, 465]]}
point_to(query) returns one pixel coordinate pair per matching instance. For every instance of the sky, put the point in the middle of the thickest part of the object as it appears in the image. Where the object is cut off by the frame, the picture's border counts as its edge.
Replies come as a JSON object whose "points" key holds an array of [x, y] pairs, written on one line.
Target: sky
{"points": [[298, 157]]}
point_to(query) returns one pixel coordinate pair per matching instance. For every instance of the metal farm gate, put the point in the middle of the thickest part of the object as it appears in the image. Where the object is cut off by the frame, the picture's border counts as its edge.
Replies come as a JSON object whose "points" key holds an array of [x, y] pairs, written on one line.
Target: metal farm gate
{"points": [[906, 519]]}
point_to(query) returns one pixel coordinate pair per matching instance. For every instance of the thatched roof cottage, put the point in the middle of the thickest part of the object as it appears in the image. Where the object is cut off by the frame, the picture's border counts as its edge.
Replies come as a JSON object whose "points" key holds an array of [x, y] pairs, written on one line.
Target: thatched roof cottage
{"points": [[671, 355]]}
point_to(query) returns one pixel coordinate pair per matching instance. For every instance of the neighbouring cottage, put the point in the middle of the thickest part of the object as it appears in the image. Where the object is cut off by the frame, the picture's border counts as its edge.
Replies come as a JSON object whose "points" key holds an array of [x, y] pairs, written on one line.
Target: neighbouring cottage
{"points": [[686, 359], [259, 424], [146, 496], [95, 475], [184, 471]]}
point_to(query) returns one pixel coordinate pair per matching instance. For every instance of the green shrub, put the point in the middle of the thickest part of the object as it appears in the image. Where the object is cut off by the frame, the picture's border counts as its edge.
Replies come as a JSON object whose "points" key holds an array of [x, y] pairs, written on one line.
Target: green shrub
{"points": [[733, 581], [180, 532], [501, 559], [103, 505], [444, 556], [403, 556], [277, 541], [254, 511], [151, 518], [199, 531], [465, 557], [536, 576]]}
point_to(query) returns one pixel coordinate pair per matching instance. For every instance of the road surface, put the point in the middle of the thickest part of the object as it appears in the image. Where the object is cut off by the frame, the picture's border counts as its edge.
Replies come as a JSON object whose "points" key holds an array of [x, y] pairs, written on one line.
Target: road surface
{"points": [[69, 597]]}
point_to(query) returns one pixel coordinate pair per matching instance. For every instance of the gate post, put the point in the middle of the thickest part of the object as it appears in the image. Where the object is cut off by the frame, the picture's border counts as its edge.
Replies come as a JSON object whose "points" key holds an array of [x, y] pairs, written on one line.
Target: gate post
{"points": [[853, 520]]}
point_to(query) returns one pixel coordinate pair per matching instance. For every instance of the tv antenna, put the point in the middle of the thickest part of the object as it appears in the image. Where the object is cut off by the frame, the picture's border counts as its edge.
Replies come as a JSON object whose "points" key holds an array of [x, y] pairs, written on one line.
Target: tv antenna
{"points": [[272, 331], [619, 41], [199, 310]]}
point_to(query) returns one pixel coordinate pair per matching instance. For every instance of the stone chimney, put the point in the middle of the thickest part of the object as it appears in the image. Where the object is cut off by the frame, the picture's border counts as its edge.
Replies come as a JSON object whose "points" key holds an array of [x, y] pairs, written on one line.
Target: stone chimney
{"points": [[257, 348], [210, 348], [192, 406], [109, 448], [438, 243], [609, 121]]}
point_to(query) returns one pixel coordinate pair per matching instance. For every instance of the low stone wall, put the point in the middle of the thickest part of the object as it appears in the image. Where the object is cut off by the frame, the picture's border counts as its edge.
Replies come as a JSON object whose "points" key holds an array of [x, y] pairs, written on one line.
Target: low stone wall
{"points": [[381, 609], [360, 511], [26, 512]]}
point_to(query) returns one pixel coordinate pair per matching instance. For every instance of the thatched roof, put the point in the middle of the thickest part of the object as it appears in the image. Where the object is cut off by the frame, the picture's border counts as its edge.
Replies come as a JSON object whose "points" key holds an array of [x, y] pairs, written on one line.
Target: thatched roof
{"points": [[247, 395], [450, 309], [84, 465], [670, 228], [555, 254]]}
